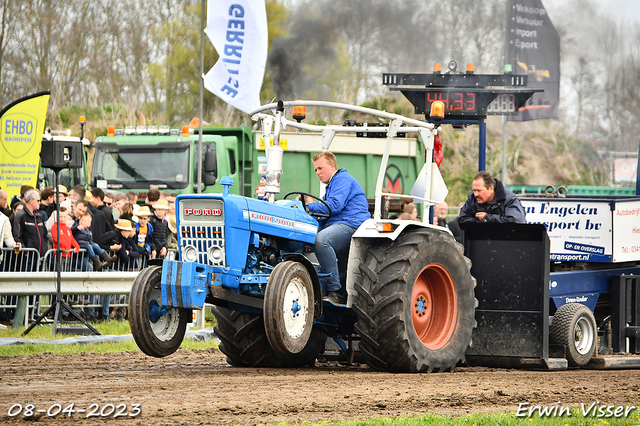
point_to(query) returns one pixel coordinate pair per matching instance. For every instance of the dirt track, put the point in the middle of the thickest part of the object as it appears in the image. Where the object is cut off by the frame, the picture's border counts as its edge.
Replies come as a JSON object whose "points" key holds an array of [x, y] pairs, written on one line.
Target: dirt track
{"points": [[198, 387]]}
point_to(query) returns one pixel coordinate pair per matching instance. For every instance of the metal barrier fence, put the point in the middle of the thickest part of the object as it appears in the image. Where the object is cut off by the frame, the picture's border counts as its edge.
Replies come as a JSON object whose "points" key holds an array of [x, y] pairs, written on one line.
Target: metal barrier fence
{"points": [[26, 273]]}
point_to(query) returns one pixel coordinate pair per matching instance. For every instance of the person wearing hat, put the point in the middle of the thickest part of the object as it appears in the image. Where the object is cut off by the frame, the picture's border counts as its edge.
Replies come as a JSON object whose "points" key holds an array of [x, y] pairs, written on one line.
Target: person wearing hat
{"points": [[160, 230], [144, 233], [172, 238], [128, 255], [129, 251], [63, 193]]}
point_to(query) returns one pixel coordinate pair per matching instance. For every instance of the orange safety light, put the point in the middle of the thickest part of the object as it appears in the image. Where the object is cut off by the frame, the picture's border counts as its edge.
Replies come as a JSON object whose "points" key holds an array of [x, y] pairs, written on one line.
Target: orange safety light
{"points": [[195, 122], [387, 227], [111, 131], [185, 131], [470, 69], [299, 113], [437, 69], [437, 111], [81, 120]]}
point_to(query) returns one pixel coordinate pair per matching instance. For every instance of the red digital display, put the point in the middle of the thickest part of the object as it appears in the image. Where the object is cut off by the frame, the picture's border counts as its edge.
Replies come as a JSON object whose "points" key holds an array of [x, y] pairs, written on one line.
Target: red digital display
{"points": [[455, 102]]}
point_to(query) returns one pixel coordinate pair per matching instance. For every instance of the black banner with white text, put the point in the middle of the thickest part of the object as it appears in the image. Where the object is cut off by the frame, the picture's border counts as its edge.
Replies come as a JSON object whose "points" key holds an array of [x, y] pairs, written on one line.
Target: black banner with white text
{"points": [[533, 49]]}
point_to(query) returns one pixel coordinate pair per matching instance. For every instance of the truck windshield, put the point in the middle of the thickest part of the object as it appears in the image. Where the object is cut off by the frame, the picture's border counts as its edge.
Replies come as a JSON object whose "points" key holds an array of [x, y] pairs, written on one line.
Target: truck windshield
{"points": [[133, 167], [67, 177]]}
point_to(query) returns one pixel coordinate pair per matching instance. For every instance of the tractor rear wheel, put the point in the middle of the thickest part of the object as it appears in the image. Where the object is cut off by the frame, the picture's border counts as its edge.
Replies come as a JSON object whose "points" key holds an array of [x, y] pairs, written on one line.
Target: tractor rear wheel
{"points": [[574, 326], [158, 331], [244, 341], [416, 303]]}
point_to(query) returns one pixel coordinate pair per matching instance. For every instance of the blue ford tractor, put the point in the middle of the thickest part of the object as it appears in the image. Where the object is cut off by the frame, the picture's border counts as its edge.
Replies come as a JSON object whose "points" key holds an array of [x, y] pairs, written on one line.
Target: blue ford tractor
{"points": [[410, 294]]}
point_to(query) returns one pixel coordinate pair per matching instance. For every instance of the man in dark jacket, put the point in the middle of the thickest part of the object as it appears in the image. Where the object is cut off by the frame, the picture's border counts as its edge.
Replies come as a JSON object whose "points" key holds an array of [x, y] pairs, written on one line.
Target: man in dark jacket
{"points": [[102, 223], [47, 200], [30, 229], [491, 202]]}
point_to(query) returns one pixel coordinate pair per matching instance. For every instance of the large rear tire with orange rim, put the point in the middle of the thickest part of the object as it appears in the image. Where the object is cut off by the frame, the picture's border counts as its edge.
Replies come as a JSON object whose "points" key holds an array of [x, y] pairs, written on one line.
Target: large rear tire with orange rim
{"points": [[416, 303]]}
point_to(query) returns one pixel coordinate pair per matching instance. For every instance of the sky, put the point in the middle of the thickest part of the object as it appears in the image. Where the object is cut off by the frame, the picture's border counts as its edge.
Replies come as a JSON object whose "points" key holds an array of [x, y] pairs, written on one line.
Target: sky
{"points": [[626, 10], [622, 11]]}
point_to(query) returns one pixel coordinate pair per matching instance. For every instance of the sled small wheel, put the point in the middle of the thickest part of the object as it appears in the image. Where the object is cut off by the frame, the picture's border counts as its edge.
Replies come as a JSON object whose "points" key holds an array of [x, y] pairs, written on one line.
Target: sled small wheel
{"points": [[574, 326]]}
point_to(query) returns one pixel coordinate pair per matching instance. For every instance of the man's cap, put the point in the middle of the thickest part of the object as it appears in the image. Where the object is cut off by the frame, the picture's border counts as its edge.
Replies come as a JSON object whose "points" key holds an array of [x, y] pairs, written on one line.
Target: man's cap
{"points": [[63, 190], [161, 205], [124, 225], [143, 211]]}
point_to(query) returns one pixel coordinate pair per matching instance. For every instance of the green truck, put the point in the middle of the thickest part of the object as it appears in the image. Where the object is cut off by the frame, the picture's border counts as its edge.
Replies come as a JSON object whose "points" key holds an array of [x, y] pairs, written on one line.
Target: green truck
{"points": [[136, 159]]}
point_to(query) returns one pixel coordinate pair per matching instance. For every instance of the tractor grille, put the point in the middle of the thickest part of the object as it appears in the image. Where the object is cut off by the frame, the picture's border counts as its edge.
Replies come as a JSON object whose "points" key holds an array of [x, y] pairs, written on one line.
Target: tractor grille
{"points": [[203, 238]]}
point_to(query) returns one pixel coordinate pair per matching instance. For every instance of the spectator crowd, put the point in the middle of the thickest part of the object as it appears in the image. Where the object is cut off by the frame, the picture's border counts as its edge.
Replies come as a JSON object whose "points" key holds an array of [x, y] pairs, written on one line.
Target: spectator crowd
{"points": [[111, 229]]}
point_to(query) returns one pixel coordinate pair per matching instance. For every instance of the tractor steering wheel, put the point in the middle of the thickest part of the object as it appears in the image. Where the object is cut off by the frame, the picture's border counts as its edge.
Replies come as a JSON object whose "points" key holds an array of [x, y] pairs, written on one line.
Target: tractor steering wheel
{"points": [[322, 216]]}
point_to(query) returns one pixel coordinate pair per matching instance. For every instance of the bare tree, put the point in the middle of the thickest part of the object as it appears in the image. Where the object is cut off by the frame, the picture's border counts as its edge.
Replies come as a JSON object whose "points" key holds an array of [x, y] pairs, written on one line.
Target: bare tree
{"points": [[49, 49], [8, 17]]}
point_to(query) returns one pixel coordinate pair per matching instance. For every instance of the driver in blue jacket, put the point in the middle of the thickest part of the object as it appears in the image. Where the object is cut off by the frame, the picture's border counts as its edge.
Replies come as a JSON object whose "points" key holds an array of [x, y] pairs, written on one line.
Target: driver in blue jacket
{"points": [[349, 208]]}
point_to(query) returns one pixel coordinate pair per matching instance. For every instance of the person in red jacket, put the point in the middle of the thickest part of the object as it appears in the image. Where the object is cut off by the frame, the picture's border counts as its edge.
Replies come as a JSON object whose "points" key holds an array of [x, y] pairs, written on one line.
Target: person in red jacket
{"points": [[67, 242]]}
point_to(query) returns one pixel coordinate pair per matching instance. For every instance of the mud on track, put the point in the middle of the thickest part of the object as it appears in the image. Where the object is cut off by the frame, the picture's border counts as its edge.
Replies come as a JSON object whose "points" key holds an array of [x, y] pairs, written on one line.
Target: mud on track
{"points": [[199, 387]]}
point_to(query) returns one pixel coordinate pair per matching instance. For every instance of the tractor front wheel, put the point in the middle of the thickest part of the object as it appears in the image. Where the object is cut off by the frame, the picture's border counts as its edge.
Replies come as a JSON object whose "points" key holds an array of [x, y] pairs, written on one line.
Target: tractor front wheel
{"points": [[158, 331], [288, 307]]}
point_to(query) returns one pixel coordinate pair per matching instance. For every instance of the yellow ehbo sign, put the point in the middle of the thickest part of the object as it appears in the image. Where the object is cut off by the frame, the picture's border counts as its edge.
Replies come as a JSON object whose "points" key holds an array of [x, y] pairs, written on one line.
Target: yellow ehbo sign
{"points": [[21, 129]]}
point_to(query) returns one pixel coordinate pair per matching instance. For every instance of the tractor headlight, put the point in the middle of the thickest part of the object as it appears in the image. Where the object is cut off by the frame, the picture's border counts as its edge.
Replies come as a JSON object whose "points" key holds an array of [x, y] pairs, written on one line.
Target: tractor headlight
{"points": [[190, 254], [215, 254]]}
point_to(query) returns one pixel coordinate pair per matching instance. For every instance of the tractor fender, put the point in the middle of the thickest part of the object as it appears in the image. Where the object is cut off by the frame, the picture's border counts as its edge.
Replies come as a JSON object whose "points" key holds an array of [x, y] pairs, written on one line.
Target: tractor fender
{"points": [[317, 290], [361, 240]]}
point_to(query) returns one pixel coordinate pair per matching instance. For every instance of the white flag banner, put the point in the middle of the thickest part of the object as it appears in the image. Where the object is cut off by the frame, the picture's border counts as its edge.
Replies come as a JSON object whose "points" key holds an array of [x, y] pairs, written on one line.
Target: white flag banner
{"points": [[238, 31]]}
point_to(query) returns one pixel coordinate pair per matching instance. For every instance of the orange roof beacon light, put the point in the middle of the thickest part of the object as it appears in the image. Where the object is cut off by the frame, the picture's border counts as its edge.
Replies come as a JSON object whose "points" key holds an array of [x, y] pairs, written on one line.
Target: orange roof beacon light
{"points": [[470, 69], [111, 131], [185, 131], [82, 122], [437, 112], [299, 113], [437, 69]]}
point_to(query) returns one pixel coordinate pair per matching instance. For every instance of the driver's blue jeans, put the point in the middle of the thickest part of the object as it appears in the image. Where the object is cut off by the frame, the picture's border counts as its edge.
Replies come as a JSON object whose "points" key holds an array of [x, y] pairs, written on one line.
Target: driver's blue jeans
{"points": [[331, 242]]}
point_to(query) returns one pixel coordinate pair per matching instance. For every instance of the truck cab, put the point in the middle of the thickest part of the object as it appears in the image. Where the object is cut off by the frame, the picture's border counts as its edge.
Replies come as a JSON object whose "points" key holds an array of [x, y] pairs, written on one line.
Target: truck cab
{"points": [[143, 157]]}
